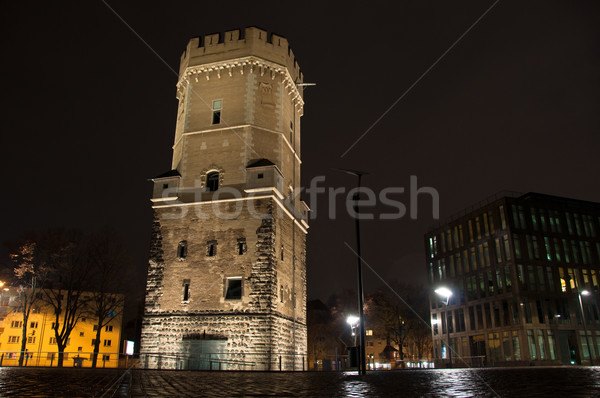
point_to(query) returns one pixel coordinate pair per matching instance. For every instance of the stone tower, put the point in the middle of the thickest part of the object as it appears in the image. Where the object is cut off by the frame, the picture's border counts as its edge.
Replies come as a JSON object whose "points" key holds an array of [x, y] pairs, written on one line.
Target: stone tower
{"points": [[226, 284]]}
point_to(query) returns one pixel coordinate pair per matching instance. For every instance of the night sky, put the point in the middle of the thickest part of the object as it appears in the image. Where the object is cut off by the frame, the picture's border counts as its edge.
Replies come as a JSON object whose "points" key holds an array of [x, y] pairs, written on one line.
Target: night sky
{"points": [[89, 112]]}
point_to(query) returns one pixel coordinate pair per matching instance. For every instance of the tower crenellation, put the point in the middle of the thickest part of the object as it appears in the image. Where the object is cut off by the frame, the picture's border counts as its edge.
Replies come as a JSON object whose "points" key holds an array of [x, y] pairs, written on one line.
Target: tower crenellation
{"points": [[239, 43]]}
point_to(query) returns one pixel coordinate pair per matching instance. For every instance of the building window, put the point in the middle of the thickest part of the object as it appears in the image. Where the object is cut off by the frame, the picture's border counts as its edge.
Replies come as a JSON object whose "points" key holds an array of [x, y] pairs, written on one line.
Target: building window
{"points": [[186, 290], [182, 249], [16, 324], [217, 105], [33, 325], [261, 175], [13, 339], [108, 328], [52, 340], [95, 328], [242, 248], [81, 334], [281, 252], [211, 248], [79, 349], [369, 332], [234, 288], [212, 181], [107, 343], [106, 357], [281, 293]]}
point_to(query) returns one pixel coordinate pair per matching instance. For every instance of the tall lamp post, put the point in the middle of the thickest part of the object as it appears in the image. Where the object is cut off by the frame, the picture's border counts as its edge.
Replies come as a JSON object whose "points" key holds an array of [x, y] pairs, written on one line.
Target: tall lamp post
{"points": [[361, 298], [446, 293], [587, 339]]}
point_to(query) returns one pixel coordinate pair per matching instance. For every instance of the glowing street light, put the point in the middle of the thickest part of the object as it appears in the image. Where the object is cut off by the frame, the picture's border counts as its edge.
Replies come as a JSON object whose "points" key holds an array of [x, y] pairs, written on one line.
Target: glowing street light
{"points": [[446, 293], [587, 340], [352, 320]]}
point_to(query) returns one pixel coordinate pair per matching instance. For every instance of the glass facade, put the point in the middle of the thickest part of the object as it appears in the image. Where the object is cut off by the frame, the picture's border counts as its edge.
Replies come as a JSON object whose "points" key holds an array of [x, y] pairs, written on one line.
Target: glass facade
{"points": [[517, 267]]}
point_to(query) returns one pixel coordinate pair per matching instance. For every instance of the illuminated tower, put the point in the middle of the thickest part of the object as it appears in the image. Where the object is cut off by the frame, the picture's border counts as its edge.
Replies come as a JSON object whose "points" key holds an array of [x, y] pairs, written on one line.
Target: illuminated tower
{"points": [[226, 284]]}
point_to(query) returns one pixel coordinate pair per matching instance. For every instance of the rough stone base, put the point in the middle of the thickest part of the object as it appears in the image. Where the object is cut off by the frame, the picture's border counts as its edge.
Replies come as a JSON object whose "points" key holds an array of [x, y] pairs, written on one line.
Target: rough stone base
{"points": [[244, 341]]}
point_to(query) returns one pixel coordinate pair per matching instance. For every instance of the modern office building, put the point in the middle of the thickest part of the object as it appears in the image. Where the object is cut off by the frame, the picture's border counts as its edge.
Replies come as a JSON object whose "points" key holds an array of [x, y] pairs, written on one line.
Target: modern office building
{"points": [[521, 268]]}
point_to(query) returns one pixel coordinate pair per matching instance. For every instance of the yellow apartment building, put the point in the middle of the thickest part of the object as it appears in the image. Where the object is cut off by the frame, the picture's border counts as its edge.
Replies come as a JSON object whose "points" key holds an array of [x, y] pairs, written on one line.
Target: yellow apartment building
{"points": [[41, 347]]}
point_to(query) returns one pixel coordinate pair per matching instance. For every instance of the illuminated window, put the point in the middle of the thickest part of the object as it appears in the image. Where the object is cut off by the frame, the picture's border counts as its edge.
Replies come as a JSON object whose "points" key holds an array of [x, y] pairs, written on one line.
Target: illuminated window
{"points": [[369, 332], [234, 288], [217, 105]]}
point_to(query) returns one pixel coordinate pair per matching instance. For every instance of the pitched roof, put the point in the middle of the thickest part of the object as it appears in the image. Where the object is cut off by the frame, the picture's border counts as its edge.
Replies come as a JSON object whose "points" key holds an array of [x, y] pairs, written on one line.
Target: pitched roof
{"points": [[260, 163], [170, 173]]}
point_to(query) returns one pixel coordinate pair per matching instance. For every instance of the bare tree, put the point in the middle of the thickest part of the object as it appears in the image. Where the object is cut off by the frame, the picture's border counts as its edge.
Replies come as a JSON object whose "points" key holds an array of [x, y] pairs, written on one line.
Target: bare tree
{"points": [[109, 271], [30, 273], [66, 283]]}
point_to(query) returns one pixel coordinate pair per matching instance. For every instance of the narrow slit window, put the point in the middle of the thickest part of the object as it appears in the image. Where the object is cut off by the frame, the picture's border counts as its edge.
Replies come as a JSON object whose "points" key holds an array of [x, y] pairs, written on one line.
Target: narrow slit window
{"points": [[217, 105], [281, 252], [182, 249], [241, 246], [186, 290], [234, 288], [211, 248], [281, 293]]}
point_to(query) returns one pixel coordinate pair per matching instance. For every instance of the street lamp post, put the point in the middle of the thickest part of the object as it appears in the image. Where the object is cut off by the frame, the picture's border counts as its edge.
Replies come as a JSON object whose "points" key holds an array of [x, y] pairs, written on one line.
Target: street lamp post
{"points": [[361, 298], [587, 340], [445, 292]]}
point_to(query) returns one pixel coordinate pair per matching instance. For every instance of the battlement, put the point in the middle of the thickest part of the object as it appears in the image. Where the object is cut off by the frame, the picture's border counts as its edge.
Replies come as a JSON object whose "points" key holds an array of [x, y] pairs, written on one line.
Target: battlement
{"points": [[250, 41]]}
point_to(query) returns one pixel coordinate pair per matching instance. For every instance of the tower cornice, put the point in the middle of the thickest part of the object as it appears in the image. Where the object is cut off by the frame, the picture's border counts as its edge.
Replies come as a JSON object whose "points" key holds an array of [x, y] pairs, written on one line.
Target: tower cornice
{"points": [[250, 64]]}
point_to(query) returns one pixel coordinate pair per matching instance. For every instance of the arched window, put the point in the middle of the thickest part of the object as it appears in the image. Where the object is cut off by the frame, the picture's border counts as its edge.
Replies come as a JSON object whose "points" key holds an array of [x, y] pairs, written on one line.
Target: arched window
{"points": [[212, 181]]}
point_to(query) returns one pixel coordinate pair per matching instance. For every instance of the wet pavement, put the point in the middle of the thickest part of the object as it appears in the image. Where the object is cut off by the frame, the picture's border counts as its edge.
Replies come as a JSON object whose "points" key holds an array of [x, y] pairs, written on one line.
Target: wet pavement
{"points": [[491, 382]]}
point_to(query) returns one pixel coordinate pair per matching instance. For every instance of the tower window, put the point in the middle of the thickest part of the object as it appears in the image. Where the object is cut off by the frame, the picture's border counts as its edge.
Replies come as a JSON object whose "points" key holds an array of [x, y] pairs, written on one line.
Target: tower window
{"points": [[186, 290], [165, 186], [241, 246], [234, 288], [281, 252], [261, 175], [216, 111], [212, 181], [281, 293], [182, 249], [211, 248]]}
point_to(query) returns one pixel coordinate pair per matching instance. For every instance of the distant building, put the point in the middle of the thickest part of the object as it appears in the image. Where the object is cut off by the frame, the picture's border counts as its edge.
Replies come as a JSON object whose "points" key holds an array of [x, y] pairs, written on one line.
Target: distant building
{"points": [[519, 268], [226, 284], [41, 341]]}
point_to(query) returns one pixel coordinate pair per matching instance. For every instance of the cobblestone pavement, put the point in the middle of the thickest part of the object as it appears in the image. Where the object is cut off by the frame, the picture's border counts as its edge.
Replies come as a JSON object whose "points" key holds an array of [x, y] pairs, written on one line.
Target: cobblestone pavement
{"points": [[493, 382]]}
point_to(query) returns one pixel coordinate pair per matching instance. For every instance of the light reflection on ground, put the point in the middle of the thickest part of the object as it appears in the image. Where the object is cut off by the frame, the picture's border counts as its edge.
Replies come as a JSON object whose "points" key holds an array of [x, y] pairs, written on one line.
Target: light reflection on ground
{"points": [[571, 382]]}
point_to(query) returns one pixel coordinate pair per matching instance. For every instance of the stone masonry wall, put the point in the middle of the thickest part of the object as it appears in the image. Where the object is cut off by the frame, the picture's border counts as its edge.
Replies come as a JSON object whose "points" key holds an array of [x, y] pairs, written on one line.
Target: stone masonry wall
{"points": [[258, 329]]}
